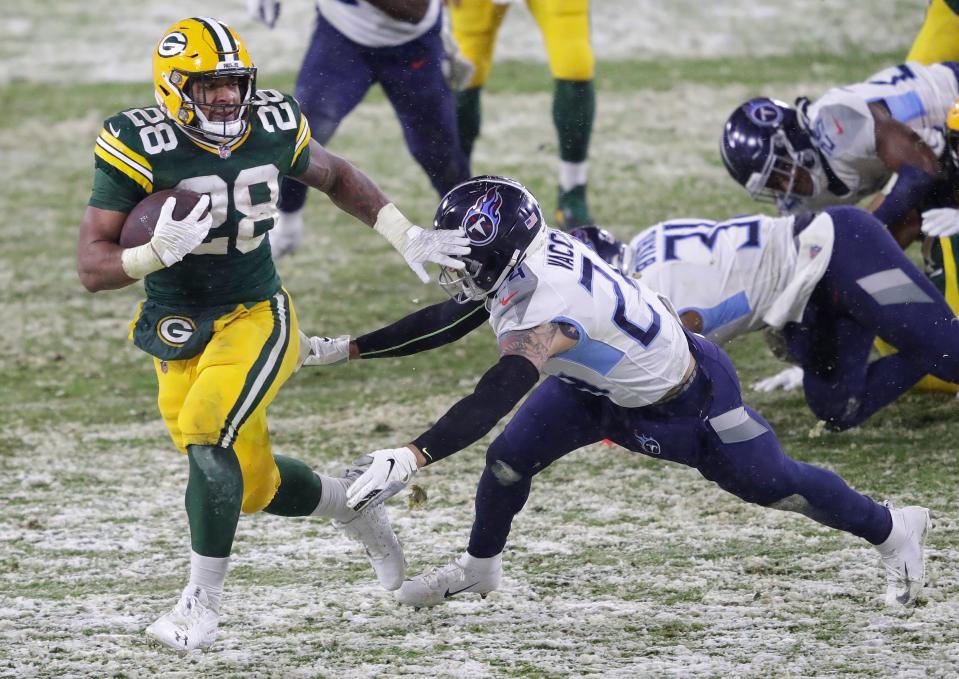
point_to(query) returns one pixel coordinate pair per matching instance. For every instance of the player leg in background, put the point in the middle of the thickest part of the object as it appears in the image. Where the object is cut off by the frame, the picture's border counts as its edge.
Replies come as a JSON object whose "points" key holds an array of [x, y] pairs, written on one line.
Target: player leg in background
{"points": [[555, 419], [870, 288], [475, 24], [412, 78], [938, 38], [215, 408], [333, 79], [565, 28]]}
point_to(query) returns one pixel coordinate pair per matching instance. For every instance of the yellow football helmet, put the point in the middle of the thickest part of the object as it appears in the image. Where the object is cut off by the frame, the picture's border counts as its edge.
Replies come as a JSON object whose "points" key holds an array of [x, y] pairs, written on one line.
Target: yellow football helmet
{"points": [[193, 50]]}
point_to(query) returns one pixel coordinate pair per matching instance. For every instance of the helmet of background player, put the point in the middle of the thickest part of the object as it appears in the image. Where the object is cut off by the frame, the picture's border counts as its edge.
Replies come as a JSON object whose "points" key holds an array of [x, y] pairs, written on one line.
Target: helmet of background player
{"points": [[606, 245], [202, 51], [504, 223], [768, 149]]}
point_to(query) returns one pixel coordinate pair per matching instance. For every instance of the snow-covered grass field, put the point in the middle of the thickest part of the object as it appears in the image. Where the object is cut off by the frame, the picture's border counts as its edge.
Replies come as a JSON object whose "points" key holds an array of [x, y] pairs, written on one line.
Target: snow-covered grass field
{"points": [[620, 566]]}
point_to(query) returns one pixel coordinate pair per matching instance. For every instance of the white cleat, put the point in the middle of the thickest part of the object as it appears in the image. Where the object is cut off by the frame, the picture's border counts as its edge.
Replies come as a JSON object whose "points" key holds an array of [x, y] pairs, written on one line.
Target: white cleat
{"points": [[466, 574], [287, 233], [371, 527], [902, 554], [191, 625]]}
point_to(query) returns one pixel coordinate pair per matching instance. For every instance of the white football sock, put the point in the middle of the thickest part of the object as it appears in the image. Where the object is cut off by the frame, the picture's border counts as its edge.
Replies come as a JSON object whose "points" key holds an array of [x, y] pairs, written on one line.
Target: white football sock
{"points": [[483, 565], [209, 573], [333, 499], [571, 175]]}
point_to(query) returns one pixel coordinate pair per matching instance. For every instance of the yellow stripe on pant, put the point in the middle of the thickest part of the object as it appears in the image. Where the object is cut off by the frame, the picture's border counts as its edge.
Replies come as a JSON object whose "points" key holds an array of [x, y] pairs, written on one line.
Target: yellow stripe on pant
{"points": [[220, 396]]}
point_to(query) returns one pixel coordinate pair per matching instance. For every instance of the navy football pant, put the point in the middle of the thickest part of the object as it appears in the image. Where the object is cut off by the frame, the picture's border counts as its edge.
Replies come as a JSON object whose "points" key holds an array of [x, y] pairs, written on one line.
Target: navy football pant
{"points": [[870, 288], [706, 427], [337, 73]]}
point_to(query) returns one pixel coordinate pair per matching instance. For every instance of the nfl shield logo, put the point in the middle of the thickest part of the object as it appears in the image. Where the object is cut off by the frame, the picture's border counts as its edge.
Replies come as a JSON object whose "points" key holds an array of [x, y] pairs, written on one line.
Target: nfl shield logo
{"points": [[225, 152]]}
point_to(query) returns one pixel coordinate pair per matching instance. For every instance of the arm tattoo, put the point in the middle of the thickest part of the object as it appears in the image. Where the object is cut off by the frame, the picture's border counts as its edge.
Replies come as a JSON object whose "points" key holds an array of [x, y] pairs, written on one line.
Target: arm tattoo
{"points": [[533, 344], [348, 188]]}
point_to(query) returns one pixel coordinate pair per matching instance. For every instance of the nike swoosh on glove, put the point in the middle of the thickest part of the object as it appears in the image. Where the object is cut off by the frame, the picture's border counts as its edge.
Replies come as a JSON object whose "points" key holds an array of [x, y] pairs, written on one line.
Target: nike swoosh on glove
{"points": [[388, 472]]}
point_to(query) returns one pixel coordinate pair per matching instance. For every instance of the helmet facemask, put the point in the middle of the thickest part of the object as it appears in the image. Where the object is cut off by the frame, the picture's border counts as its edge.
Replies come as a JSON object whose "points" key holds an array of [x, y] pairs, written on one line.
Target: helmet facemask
{"points": [[461, 284], [777, 180], [192, 95]]}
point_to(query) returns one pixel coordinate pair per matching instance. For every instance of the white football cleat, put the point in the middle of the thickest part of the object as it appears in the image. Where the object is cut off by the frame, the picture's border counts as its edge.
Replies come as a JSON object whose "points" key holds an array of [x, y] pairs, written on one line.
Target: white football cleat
{"points": [[287, 233], [371, 527], [191, 625], [902, 554], [465, 574]]}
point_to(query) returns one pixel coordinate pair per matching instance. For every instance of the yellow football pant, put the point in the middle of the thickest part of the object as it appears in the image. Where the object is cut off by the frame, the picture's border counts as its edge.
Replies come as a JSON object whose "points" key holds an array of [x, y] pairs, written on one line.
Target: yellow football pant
{"points": [[938, 38], [930, 383], [219, 398], [563, 23]]}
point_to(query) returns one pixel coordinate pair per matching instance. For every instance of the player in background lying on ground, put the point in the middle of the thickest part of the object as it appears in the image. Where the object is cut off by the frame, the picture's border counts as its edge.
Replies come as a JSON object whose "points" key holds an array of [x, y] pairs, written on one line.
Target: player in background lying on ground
{"points": [[830, 282], [847, 145], [355, 45], [211, 279], [620, 366]]}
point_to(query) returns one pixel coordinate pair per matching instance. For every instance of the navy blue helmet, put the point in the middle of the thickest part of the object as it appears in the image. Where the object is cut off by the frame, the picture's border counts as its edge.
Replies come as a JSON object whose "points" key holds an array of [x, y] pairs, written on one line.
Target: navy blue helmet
{"points": [[764, 145], [502, 219], [606, 245]]}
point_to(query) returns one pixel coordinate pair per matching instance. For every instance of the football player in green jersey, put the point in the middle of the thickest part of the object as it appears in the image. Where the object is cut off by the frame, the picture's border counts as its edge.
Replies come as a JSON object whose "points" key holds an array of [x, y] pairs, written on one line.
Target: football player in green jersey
{"points": [[220, 326]]}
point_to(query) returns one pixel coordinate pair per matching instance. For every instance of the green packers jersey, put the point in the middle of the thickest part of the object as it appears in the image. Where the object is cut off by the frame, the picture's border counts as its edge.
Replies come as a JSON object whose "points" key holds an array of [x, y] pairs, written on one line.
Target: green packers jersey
{"points": [[140, 151]]}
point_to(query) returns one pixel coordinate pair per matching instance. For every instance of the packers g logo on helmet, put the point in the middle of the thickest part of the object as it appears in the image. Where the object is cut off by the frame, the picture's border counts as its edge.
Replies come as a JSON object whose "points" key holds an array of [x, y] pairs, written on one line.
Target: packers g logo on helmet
{"points": [[173, 44], [193, 50]]}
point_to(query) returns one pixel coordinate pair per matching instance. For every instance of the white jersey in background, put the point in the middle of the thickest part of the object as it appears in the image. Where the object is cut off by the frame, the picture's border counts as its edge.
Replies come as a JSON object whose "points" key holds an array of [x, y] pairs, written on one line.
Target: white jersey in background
{"points": [[728, 272], [369, 26], [632, 349], [845, 131]]}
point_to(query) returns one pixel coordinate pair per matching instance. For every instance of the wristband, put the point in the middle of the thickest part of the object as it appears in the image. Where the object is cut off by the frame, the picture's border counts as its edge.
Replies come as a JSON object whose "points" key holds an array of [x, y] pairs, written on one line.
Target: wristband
{"points": [[392, 225], [139, 261]]}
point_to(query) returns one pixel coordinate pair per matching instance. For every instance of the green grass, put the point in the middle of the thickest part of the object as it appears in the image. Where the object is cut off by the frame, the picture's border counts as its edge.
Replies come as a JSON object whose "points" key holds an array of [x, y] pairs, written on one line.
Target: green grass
{"points": [[620, 565]]}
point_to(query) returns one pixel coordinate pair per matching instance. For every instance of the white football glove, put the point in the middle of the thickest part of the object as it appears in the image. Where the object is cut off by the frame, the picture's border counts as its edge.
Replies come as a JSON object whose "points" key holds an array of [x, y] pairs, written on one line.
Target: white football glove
{"points": [[457, 69], [267, 11], [173, 240], [328, 350], [787, 380], [388, 473], [419, 246], [940, 222]]}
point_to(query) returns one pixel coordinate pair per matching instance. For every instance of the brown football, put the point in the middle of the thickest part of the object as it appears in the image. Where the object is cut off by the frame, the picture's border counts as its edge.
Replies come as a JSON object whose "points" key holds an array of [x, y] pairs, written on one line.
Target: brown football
{"points": [[139, 224]]}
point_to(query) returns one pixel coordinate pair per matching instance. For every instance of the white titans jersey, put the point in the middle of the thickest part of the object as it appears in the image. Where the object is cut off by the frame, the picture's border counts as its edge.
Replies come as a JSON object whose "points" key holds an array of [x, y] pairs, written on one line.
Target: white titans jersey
{"points": [[369, 26], [729, 272], [845, 131], [631, 349]]}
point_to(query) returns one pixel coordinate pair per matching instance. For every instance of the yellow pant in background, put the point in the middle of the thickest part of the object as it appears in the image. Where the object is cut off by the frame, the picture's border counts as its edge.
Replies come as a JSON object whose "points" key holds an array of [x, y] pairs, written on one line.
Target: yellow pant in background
{"points": [[563, 23]]}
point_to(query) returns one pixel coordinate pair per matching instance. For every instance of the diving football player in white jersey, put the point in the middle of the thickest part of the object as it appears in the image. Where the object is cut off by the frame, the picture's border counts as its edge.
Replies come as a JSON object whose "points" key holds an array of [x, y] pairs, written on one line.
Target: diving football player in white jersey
{"points": [[620, 366], [848, 144], [830, 282]]}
